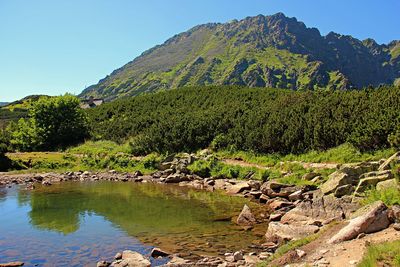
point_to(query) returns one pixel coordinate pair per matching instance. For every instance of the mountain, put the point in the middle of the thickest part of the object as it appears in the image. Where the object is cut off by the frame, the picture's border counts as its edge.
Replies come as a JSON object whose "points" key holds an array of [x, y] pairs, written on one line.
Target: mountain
{"points": [[2, 104], [262, 51]]}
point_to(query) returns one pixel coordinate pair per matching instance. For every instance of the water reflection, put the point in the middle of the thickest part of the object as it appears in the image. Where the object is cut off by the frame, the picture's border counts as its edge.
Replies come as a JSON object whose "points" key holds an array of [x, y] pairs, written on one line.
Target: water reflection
{"points": [[109, 216]]}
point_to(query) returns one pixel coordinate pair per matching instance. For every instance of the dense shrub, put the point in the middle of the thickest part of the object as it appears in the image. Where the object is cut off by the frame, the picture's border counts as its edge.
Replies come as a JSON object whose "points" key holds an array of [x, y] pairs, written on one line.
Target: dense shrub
{"points": [[259, 120], [53, 122]]}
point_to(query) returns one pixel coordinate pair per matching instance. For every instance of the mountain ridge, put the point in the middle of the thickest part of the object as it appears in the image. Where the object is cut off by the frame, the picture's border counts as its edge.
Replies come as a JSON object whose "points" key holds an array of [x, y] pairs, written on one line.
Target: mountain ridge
{"points": [[261, 51]]}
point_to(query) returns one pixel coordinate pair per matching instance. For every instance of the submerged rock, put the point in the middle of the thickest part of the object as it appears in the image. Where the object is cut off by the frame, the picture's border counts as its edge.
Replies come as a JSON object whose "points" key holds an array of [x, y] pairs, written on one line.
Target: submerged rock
{"points": [[157, 252]]}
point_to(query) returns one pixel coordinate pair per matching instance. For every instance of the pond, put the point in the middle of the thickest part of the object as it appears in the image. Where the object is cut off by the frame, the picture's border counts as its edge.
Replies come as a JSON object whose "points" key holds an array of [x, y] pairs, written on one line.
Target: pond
{"points": [[77, 224]]}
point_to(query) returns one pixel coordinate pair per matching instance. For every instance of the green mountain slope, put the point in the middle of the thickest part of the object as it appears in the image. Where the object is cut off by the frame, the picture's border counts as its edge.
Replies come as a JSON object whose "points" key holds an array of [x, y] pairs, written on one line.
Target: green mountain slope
{"points": [[262, 51]]}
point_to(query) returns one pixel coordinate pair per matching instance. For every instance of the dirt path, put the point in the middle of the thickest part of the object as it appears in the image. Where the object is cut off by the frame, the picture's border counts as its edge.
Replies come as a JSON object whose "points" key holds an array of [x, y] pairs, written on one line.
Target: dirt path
{"points": [[348, 253]]}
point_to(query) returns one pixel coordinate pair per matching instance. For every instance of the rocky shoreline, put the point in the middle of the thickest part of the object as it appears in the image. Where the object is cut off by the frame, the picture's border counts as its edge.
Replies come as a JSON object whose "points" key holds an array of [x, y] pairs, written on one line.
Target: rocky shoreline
{"points": [[294, 211]]}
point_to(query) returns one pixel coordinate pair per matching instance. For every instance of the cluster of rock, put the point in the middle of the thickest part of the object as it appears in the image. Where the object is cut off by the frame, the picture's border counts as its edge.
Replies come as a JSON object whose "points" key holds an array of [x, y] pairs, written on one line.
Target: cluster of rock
{"points": [[355, 179], [53, 178], [130, 258]]}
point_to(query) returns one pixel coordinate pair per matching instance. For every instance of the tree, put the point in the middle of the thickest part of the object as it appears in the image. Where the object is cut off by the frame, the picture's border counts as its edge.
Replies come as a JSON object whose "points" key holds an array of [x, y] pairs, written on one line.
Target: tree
{"points": [[53, 122]]}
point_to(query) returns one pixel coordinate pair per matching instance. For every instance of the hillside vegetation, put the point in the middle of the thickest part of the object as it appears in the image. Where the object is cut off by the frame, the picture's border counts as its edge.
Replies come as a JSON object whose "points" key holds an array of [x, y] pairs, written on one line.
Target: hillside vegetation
{"points": [[258, 120], [263, 51]]}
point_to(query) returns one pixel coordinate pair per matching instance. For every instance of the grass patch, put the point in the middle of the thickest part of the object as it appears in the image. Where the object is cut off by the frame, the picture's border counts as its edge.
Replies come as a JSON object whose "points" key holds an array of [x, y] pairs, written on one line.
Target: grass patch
{"points": [[99, 147], [385, 254], [213, 167], [93, 156], [345, 153], [389, 196]]}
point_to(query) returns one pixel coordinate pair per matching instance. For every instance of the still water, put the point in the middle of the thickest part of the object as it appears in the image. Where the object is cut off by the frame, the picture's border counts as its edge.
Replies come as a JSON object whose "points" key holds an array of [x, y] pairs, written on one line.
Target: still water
{"points": [[78, 224]]}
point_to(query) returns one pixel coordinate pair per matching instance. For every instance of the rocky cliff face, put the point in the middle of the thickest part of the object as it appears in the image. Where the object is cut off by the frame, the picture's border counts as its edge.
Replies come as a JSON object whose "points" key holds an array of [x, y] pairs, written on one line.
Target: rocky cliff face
{"points": [[261, 51]]}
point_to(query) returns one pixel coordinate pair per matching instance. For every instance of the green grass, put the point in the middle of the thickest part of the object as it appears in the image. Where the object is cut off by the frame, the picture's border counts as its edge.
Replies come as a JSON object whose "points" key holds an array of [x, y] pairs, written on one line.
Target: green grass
{"points": [[106, 147], [385, 254], [388, 196], [93, 156], [345, 153]]}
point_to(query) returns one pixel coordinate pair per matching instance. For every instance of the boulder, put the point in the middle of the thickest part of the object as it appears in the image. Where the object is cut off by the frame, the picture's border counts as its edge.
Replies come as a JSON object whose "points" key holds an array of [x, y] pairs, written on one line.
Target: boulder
{"points": [[246, 218], [157, 252], [175, 178], [344, 190], [278, 232], [255, 185], [274, 189], [375, 219], [278, 203], [356, 169], [326, 208], [298, 195], [371, 179], [238, 188], [394, 159], [103, 264], [347, 174], [133, 259], [391, 183], [238, 256], [336, 179]]}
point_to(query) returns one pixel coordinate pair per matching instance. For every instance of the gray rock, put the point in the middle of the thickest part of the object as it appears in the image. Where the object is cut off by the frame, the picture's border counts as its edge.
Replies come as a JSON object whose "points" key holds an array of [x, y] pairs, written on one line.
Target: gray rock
{"points": [[326, 208], [175, 178], [279, 203], [238, 256], [246, 218], [371, 179], [274, 189], [356, 169], [278, 232], [298, 195], [335, 180], [133, 259], [238, 188], [374, 220], [344, 190]]}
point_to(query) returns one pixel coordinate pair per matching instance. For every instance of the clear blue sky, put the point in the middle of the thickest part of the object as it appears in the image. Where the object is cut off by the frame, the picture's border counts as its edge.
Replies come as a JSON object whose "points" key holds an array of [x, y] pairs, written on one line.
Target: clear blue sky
{"points": [[57, 46]]}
